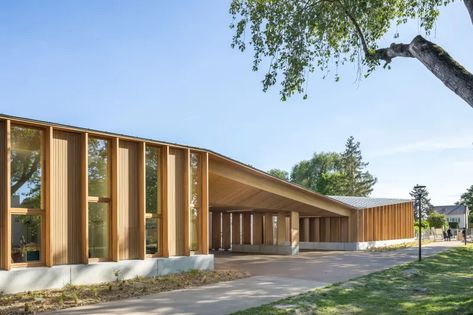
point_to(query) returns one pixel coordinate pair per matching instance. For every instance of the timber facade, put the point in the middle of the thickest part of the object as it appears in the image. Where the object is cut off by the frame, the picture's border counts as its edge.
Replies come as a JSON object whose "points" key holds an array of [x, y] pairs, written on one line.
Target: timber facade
{"points": [[79, 197]]}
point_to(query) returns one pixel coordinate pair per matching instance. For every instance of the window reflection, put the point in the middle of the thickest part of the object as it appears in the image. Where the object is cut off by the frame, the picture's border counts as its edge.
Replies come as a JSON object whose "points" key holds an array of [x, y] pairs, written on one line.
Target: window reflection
{"points": [[26, 238]]}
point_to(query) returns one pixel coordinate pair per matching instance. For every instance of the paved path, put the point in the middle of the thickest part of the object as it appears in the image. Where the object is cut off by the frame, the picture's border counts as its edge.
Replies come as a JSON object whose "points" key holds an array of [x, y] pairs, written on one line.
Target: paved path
{"points": [[272, 278]]}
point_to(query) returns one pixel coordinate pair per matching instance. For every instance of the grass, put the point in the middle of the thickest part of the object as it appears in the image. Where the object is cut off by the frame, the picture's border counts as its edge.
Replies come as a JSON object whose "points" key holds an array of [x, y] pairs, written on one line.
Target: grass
{"points": [[71, 296], [440, 284]]}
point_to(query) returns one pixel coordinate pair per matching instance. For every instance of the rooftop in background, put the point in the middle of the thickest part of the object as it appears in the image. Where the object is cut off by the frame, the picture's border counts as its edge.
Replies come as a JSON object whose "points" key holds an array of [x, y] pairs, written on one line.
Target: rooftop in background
{"points": [[451, 210], [367, 202]]}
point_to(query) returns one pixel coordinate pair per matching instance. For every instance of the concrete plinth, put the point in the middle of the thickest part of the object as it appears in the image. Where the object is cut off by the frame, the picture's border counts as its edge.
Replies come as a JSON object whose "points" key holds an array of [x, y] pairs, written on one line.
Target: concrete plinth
{"points": [[39, 278], [351, 245], [266, 249]]}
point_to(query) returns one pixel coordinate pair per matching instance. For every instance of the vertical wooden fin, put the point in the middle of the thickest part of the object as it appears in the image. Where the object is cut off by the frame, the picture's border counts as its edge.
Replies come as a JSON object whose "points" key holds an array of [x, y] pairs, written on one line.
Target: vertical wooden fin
{"points": [[164, 251], [142, 199], [48, 149], [84, 198], [204, 243], [115, 178]]}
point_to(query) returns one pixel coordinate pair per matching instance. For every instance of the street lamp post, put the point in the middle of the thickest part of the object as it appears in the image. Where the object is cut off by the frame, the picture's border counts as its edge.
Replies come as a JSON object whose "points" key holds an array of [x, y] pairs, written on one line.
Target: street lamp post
{"points": [[419, 192]]}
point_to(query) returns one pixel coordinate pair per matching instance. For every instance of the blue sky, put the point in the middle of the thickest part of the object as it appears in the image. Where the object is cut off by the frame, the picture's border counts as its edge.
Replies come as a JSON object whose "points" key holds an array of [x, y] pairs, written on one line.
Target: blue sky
{"points": [[165, 70]]}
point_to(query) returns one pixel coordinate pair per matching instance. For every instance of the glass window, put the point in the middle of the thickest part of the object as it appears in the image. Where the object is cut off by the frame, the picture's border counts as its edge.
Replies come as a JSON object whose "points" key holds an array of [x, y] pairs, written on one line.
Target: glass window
{"points": [[99, 168], [26, 167], [99, 234], [152, 236], [153, 199], [26, 238], [152, 180], [194, 217]]}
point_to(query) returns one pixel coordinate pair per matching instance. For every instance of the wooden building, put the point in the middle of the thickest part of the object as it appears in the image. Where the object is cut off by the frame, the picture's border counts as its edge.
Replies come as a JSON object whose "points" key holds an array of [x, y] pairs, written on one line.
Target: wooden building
{"points": [[75, 197]]}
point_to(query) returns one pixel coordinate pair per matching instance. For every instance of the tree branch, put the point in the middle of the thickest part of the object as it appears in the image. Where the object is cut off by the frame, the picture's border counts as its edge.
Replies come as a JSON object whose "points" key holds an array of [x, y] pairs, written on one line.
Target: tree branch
{"points": [[469, 7], [357, 28], [393, 51]]}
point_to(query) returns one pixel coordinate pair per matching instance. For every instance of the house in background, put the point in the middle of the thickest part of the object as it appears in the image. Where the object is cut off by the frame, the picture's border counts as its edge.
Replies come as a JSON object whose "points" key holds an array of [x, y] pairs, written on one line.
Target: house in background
{"points": [[454, 213]]}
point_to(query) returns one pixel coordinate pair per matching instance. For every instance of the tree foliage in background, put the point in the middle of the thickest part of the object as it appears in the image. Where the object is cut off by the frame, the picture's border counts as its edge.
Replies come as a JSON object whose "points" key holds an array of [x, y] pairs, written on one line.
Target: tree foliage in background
{"points": [[321, 173], [356, 181], [298, 37], [427, 206], [332, 173], [437, 220], [281, 174], [467, 200]]}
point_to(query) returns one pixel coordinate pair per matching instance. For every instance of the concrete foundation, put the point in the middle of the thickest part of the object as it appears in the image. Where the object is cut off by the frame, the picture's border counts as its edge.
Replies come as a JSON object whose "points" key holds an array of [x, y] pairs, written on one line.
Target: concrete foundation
{"points": [[266, 249], [352, 245], [39, 278]]}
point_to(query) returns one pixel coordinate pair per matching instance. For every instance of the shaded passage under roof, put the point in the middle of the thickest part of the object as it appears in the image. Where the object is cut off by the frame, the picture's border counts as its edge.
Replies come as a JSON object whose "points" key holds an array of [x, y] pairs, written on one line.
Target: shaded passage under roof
{"points": [[367, 202]]}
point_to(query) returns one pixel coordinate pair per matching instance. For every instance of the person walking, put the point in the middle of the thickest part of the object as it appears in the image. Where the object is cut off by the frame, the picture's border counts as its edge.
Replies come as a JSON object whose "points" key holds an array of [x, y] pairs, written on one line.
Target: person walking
{"points": [[449, 234]]}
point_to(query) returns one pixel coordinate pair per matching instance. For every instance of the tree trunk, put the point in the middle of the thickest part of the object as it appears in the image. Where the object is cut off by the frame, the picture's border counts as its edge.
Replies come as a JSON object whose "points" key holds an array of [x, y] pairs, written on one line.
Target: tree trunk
{"points": [[469, 7], [444, 67]]}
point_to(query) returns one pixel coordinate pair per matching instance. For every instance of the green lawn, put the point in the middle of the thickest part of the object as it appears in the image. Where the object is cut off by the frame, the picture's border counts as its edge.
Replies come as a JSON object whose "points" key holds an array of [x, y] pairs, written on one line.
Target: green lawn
{"points": [[440, 284]]}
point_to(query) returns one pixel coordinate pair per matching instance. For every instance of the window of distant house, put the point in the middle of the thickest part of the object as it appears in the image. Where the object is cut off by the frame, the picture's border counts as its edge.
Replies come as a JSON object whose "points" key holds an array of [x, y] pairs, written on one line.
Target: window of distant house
{"points": [[99, 217], [195, 201], [26, 184], [153, 199]]}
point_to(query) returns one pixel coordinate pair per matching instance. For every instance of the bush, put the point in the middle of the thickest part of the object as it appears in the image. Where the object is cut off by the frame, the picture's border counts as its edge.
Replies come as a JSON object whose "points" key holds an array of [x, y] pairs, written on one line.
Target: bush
{"points": [[437, 220]]}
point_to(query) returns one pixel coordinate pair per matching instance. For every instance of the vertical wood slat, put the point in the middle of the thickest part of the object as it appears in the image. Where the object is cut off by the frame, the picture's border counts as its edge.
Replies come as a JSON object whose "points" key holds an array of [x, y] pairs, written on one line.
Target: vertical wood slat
{"points": [[225, 230], [216, 231], [204, 246], [165, 202], [257, 228], [187, 193], [48, 253], [268, 229], [7, 195], [115, 239], [281, 229], [142, 200], [306, 230], [3, 162], [294, 229], [246, 228], [236, 228], [84, 197]]}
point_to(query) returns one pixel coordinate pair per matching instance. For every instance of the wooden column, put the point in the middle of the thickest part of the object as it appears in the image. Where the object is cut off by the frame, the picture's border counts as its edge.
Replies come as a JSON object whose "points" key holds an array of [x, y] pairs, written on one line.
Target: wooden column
{"points": [[48, 148], [281, 229], [6, 196], [294, 229], [164, 251], [257, 228], [204, 243], [85, 197], [216, 231], [236, 228], [142, 200], [187, 194], [246, 228], [226, 230], [268, 229], [114, 222]]}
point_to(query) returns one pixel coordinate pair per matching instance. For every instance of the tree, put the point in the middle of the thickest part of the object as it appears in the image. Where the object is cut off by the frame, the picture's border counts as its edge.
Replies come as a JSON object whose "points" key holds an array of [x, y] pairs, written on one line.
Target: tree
{"points": [[467, 200], [321, 173], [300, 37], [355, 180], [437, 220], [427, 207], [281, 174]]}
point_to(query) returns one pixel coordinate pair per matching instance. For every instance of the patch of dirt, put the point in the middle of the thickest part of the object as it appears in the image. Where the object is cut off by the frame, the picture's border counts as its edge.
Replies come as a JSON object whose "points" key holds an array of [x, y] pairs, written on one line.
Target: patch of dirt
{"points": [[71, 296]]}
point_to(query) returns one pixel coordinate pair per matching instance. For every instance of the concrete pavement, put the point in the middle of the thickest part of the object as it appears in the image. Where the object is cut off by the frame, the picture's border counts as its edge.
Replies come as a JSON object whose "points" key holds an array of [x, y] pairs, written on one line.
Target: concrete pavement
{"points": [[272, 278]]}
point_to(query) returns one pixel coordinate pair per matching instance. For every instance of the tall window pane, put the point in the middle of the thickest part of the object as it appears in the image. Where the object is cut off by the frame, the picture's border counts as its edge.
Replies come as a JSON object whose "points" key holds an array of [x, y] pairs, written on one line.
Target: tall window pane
{"points": [[195, 206], [26, 238], [26, 167], [99, 168], [99, 234], [153, 200]]}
